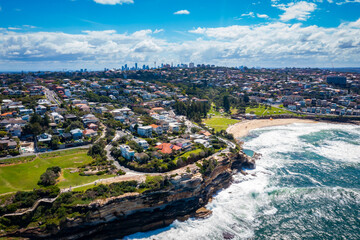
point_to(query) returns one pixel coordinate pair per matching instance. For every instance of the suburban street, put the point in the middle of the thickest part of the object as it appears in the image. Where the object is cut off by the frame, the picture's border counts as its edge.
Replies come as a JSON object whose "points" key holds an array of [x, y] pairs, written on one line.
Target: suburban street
{"points": [[52, 96]]}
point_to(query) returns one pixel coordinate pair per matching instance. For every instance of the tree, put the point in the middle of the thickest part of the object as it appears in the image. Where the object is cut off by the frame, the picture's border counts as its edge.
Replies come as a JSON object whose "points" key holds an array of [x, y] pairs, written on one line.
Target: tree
{"points": [[55, 142], [246, 98], [226, 103], [49, 177], [97, 149], [35, 128]]}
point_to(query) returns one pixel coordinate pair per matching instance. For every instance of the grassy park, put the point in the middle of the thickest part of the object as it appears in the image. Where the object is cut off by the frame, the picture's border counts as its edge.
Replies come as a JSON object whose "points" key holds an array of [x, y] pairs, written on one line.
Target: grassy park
{"points": [[220, 123], [263, 111], [24, 176]]}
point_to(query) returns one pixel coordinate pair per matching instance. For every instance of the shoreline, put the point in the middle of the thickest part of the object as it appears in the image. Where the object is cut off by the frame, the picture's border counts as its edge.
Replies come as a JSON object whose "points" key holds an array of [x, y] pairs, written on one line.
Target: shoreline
{"points": [[243, 128]]}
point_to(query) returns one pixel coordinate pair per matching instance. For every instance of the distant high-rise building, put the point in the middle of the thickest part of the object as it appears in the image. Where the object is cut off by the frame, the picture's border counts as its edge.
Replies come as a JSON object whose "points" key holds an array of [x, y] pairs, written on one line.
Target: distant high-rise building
{"points": [[191, 65], [136, 66]]}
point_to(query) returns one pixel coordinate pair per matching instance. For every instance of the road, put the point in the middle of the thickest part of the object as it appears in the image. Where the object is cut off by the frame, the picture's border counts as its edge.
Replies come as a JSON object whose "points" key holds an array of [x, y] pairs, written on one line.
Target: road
{"points": [[108, 147], [52, 96]]}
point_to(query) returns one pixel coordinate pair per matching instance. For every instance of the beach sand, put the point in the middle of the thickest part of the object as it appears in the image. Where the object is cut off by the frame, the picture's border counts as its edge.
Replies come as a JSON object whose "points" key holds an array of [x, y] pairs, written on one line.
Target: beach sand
{"points": [[242, 129]]}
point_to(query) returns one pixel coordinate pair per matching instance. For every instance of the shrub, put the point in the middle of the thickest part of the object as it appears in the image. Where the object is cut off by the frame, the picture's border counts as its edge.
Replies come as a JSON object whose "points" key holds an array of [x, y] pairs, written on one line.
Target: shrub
{"points": [[49, 177]]}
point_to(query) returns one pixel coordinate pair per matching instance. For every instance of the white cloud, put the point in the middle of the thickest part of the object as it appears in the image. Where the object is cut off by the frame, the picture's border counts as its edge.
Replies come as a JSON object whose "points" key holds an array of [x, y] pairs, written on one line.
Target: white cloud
{"points": [[346, 1], [14, 28], [250, 14], [274, 44], [182, 12], [113, 2], [29, 26], [262, 15], [158, 30], [299, 10]]}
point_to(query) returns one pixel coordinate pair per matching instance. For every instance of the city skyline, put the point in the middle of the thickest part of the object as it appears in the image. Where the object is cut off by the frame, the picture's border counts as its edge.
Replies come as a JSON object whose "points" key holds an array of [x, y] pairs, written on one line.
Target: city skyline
{"points": [[98, 34]]}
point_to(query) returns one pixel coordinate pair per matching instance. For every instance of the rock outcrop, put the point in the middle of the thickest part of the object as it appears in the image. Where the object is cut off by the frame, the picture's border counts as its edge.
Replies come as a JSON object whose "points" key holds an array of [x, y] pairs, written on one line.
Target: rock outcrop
{"points": [[130, 213]]}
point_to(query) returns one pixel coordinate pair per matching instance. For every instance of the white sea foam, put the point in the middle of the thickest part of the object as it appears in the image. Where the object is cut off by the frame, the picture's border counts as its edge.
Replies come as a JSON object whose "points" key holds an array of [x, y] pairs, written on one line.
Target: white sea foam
{"points": [[235, 209]]}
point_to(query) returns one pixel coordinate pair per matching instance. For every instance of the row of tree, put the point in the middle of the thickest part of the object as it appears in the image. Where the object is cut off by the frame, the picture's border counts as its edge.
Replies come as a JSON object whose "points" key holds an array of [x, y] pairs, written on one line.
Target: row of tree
{"points": [[192, 110]]}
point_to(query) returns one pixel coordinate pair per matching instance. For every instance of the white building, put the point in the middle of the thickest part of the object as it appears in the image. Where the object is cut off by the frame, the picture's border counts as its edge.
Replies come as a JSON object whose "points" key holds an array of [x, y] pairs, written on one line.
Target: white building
{"points": [[127, 152], [143, 143], [145, 131]]}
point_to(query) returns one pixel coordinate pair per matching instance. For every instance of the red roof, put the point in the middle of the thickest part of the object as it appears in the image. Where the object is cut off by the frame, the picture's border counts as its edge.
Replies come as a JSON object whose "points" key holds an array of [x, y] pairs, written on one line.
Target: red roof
{"points": [[168, 148], [154, 126], [6, 114], [88, 132]]}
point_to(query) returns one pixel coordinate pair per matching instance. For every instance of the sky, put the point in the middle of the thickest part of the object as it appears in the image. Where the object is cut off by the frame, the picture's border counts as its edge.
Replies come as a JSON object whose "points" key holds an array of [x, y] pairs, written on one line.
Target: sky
{"points": [[97, 34]]}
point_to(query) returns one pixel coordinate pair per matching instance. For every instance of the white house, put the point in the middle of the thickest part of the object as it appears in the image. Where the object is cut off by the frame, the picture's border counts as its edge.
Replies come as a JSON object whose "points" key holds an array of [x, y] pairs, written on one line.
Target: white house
{"points": [[174, 127], [143, 143], [127, 152], [145, 131]]}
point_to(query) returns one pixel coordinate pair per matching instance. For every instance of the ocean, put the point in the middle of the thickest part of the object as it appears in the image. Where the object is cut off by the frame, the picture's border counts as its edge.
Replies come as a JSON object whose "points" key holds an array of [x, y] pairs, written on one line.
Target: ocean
{"points": [[305, 186]]}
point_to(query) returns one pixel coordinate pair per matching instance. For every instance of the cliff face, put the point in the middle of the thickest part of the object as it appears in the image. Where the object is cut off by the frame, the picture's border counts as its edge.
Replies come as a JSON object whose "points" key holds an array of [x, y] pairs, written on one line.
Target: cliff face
{"points": [[120, 216]]}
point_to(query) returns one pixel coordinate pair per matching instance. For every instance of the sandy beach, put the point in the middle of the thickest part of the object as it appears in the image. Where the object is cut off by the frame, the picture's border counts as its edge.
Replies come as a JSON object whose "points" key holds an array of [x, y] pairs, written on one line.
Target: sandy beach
{"points": [[242, 129]]}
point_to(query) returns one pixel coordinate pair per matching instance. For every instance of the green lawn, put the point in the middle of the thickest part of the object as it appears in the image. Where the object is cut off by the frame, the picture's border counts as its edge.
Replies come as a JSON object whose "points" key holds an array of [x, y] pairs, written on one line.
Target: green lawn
{"points": [[25, 176], [262, 111], [220, 123], [187, 154]]}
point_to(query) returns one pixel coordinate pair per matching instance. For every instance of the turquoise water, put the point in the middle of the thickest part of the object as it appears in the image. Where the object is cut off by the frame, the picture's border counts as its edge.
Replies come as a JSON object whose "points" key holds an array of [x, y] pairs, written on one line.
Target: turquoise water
{"points": [[305, 186], [248, 152]]}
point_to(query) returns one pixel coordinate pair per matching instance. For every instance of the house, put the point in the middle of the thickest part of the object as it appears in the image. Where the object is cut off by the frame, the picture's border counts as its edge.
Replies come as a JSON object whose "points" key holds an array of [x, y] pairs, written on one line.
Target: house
{"points": [[121, 112], [56, 117], [143, 143], [205, 133], [65, 137], [14, 130], [40, 109], [58, 131], [45, 138], [174, 127], [6, 144], [120, 118], [165, 126], [76, 133], [100, 110], [70, 117], [83, 107], [89, 118], [167, 148], [127, 152], [182, 143], [93, 126], [203, 142], [53, 107], [26, 111], [89, 133], [156, 128], [157, 109], [145, 131]]}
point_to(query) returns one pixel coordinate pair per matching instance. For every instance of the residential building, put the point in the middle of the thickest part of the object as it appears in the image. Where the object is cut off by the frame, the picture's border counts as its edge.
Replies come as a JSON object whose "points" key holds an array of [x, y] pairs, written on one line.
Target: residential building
{"points": [[127, 152], [145, 131], [76, 133], [143, 143]]}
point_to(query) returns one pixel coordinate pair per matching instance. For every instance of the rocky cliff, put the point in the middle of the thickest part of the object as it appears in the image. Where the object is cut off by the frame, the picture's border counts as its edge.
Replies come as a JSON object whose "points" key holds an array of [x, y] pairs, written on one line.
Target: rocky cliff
{"points": [[130, 213]]}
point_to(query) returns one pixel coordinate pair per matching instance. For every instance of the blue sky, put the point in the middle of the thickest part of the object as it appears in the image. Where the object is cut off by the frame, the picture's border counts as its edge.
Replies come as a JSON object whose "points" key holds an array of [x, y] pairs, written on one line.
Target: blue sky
{"points": [[93, 34]]}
